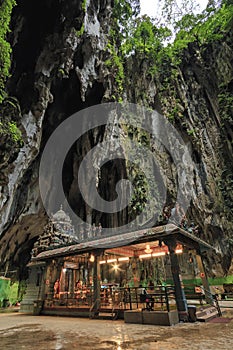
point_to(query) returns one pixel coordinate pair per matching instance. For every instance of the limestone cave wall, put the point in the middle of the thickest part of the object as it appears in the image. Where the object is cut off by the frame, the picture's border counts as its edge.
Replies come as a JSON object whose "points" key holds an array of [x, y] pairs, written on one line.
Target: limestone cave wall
{"points": [[58, 68]]}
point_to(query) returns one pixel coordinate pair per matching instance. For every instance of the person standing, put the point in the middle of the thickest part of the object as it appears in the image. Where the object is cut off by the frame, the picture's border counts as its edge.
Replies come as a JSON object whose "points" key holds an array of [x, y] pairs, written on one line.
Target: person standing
{"points": [[149, 296]]}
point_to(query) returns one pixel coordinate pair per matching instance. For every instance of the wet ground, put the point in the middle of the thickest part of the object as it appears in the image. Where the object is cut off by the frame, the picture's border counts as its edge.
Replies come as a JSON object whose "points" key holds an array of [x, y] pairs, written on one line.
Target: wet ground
{"points": [[19, 331]]}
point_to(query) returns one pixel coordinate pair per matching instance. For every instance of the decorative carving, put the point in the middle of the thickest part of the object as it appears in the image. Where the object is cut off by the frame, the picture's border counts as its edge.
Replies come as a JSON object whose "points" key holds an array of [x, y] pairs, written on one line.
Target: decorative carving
{"points": [[58, 232]]}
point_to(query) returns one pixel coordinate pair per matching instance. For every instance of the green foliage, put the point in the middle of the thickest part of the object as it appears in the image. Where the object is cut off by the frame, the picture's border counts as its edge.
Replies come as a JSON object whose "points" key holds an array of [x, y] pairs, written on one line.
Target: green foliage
{"points": [[84, 5], [211, 25], [124, 11], [61, 72], [115, 63], [129, 35], [173, 11], [145, 38], [13, 293], [4, 289], [225, 186], [80, 31], [225, 100], [84, 9], [11, 130], [8, 291], [144, 187], [140, 185], [142, 37], [5, 48], [191, 132], [14, 132], [122, 15]]}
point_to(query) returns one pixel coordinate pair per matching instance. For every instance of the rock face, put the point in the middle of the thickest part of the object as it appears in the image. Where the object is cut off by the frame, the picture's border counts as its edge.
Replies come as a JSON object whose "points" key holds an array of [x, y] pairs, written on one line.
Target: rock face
{"points": [[59, 55], [204, 74], [58, 51]]}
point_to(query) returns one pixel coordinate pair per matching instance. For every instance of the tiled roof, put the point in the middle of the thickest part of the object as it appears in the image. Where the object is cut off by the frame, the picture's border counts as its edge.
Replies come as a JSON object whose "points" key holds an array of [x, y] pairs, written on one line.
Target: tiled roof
{"points": [[123, 239]]}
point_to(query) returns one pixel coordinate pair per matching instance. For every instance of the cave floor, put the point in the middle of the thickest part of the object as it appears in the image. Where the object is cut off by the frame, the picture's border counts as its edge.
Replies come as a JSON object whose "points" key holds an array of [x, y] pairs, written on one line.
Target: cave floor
{"points": [[20, 331]]}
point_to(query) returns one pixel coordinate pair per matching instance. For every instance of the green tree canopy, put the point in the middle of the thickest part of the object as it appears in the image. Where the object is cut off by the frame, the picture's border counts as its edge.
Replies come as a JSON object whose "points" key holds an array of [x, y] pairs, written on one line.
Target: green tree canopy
{"points": [[6, 7]]}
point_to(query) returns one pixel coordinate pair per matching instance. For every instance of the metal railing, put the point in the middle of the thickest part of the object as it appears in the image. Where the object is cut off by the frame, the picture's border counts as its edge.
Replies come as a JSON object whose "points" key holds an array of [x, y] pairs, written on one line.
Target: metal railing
{"points": [[68, 299], [114, 299], [194, 292], [160, 298]]}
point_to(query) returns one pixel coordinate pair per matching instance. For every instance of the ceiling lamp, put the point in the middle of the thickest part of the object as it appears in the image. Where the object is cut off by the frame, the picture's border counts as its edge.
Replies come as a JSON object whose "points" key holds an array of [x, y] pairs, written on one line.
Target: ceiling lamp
{"points": [[158, 254], [179, 251], [92, 258], [126, 258], [102, 262], [115, 267], [144, 256], [148, 249]]}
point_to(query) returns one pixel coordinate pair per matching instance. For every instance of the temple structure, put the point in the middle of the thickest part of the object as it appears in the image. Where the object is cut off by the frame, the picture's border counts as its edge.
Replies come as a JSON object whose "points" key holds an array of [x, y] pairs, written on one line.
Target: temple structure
{"points": [[58, 232], [136, 275]]}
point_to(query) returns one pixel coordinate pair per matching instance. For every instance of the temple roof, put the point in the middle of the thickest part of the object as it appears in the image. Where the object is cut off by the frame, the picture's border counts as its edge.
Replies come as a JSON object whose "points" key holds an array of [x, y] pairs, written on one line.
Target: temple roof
{"points": [[61, 216], [168, 231], [58, 232]]}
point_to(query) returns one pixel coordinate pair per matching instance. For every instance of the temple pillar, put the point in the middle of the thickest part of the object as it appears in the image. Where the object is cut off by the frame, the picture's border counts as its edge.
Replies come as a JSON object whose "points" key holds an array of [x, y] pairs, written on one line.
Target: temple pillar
{"points": [[41, 295], [96, 283], [205, 283], [181, 301], [49, 281]]}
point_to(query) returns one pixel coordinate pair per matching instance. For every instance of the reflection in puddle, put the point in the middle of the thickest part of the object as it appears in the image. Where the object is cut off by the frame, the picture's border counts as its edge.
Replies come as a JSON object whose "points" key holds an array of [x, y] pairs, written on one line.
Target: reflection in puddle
{"points": [[58, 345]]}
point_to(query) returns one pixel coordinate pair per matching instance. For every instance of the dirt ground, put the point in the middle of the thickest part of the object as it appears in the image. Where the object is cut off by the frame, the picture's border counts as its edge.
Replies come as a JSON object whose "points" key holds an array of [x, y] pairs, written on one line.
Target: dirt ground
{"points": [[20, 331]]}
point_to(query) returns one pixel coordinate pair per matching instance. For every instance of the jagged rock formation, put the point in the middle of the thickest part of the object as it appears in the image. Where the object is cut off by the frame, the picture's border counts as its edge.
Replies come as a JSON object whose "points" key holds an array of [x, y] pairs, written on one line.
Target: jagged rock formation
{"points": [[58, 69], [56, 72]]}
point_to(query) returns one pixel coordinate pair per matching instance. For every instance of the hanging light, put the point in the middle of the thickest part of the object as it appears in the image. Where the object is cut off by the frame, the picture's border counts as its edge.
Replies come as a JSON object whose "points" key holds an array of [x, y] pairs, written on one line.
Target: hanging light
{"points": [[92, 258], [179, 249], [115, 267], [148, 249]]}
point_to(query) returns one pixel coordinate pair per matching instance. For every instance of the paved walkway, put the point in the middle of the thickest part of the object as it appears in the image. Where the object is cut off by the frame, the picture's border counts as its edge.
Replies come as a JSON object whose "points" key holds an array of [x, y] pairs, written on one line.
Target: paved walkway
{"points": [[20, 331]]}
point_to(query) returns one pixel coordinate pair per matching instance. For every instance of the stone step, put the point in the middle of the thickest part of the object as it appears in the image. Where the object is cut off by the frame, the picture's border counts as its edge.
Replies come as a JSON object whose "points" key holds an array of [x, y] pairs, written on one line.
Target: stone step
{"points": [[106, 315], [31, 290], [33, 296], [27, 302], [206, 310], [206, 314]]}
